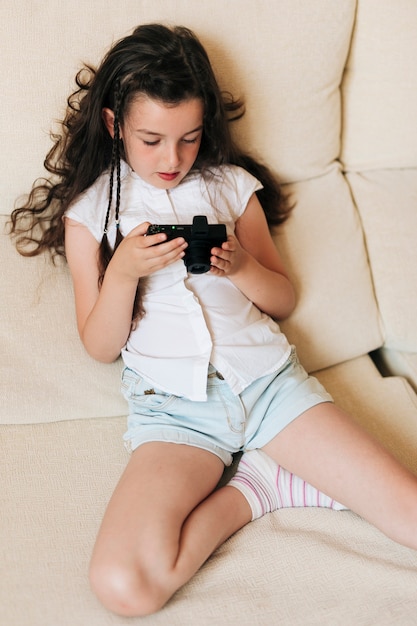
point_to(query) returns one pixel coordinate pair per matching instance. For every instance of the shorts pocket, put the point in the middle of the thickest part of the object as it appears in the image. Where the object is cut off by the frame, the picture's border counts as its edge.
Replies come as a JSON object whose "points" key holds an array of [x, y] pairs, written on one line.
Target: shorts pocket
{"points": [[141, 395]]}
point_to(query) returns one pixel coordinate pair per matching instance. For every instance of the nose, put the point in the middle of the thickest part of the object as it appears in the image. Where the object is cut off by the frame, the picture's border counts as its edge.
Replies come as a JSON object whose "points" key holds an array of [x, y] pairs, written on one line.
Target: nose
{"points": [[173, 156]]}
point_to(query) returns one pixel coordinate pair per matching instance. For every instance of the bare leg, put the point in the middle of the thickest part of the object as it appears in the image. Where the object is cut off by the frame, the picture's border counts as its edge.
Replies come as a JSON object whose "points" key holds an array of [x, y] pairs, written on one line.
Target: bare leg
{"points": [[328, 449], [161, 524]]}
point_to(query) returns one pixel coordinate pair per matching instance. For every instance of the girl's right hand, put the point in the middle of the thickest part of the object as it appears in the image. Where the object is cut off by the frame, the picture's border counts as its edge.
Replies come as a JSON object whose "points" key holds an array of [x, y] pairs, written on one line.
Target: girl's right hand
{"points": [[139, 255]]}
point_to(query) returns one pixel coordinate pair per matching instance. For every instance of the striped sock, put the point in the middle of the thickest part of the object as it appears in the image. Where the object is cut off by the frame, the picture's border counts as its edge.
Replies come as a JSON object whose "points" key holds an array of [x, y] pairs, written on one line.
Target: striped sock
{"points": [[268, 486]]}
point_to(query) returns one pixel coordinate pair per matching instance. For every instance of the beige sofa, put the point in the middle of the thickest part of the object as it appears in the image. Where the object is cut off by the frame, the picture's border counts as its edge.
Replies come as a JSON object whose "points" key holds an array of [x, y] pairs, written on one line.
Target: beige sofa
{"points": [[331, 91]]}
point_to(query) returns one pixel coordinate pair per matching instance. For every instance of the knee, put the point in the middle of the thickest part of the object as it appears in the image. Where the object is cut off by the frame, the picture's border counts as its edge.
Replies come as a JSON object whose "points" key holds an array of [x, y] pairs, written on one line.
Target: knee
{"points": [[125, 590]]}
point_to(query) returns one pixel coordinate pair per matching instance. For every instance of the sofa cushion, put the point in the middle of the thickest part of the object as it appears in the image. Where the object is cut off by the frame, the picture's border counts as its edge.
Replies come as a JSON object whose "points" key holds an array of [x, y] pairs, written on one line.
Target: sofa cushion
{"points": [[336, 317], [379, 88], [387, 204], [286, 58], [399, 363], [45, 373], [291, 80]]}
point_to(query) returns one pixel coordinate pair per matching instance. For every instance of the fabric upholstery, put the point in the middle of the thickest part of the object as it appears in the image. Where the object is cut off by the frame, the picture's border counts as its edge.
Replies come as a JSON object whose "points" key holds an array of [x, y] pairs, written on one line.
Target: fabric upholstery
{"points": [[378, 90], [272, 56], [45, 372], [393, 257], [323, 247]]}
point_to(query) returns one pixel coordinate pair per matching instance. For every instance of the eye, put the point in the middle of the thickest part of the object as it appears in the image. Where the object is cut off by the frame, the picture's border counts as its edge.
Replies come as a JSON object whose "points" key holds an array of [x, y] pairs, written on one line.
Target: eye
{"points": [[191, 141], [151, 143]]}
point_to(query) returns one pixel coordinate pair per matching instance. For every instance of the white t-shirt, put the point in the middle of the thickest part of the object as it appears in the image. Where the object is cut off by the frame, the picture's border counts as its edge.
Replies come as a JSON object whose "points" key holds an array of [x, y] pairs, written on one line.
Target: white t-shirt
{"points": [[190, 320]]}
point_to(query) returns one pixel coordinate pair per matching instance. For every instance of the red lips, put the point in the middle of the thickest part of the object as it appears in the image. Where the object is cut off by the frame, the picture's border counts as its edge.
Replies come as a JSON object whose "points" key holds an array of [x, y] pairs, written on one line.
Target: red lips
{"points": [[168, 176]]}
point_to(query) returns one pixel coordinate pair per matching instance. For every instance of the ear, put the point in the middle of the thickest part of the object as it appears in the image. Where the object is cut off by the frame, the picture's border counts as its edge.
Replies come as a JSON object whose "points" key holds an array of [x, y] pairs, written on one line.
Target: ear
{"points": [[108, 119]]}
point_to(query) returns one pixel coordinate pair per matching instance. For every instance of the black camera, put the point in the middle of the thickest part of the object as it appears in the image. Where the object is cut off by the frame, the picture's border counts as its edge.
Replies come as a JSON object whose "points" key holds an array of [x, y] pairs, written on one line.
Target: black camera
{"points": [[201, 238]]}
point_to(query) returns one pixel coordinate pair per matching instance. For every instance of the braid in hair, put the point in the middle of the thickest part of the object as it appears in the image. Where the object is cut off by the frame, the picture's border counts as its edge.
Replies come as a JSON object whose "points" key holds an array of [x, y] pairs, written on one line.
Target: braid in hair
{"points": [[105, 251]]}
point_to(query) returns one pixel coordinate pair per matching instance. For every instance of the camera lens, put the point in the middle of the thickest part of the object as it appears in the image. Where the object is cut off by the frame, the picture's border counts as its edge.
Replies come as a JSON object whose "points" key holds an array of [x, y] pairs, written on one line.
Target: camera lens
{"points": [[197, 257]]}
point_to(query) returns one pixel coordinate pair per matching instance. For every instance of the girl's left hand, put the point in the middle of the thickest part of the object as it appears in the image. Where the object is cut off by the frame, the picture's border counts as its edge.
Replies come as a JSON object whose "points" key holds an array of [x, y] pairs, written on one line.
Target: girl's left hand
{"points": [[228, 259]]}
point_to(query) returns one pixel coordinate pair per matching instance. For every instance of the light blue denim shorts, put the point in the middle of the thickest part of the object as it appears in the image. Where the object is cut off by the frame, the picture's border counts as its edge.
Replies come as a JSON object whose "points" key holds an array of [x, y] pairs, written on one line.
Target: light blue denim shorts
{"points": [[224, 424]]}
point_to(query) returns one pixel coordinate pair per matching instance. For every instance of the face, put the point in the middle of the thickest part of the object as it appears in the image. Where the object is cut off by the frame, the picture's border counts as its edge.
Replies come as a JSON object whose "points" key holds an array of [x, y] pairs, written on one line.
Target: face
{"points": [[161, 141]]}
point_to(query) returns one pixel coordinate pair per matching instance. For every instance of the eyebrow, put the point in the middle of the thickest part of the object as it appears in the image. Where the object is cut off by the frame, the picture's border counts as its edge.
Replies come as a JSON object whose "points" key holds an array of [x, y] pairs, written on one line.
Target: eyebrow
{"points": [[155, 134]]}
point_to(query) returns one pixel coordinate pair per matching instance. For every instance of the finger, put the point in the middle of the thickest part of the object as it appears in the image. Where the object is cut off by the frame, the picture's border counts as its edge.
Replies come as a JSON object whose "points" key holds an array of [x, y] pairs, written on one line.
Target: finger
{"points": [[153, 240], [219, 262], [216, 271], [222, 255], [230, 244], [166, 247], [167, 253]]}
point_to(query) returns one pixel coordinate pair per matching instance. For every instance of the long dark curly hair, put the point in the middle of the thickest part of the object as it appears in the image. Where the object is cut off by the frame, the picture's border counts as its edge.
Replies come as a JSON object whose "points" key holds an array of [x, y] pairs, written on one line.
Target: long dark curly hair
{"points": [[163, 63]]}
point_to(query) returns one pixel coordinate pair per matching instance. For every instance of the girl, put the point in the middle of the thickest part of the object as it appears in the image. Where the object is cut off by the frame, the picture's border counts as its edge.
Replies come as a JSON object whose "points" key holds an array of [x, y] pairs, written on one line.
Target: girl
{"points": [[207, 371]]}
